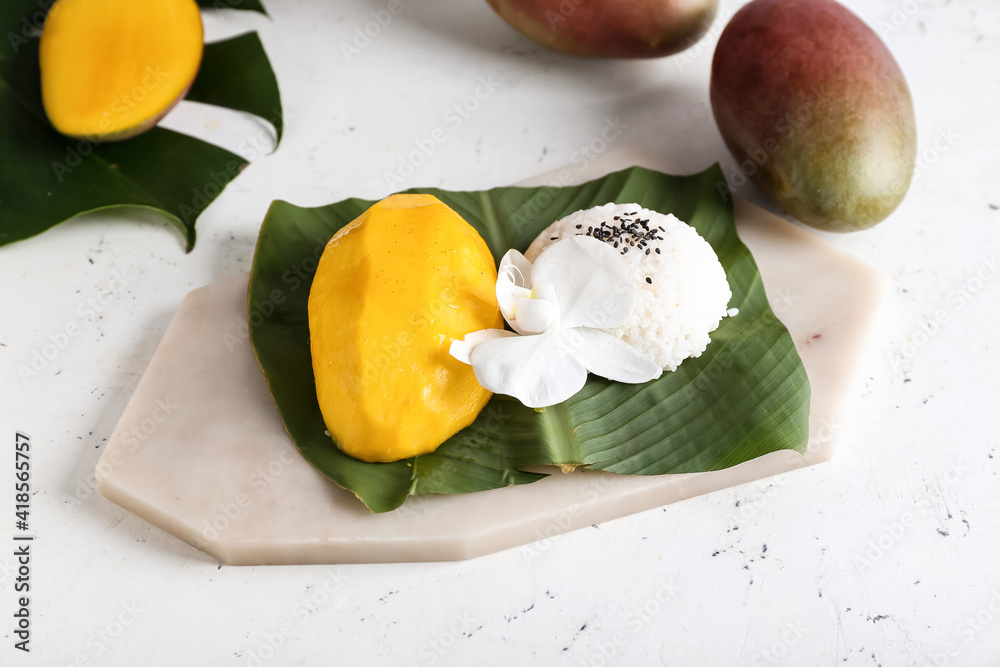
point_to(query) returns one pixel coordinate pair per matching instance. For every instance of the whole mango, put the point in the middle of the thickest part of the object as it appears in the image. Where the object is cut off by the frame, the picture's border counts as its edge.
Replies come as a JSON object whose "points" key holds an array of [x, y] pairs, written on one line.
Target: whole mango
{"points": [[611, 28], [816, 111]]}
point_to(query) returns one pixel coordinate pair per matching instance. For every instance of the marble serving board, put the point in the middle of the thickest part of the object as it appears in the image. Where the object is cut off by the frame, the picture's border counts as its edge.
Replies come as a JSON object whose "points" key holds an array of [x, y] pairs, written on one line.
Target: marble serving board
{"points": [[201, 452]]}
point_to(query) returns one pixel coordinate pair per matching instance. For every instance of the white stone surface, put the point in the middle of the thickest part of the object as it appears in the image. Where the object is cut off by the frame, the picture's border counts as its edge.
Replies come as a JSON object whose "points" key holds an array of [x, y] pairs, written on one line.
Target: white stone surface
{"points": [[886, 555]]}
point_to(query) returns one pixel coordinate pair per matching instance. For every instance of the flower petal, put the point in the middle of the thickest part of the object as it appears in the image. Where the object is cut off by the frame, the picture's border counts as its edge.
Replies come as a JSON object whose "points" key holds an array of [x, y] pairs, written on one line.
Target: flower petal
{"points": [[513, 283], [594, 284], [544, 290], [462, 349], [610, 357], [535, 370], [533, 316]]}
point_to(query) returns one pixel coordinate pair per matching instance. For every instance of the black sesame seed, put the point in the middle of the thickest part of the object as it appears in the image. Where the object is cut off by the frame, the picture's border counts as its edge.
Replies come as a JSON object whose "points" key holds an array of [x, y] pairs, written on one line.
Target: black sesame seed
{"points": [[647, 251], [657, 251], [553, 238], [579, 226], [649, 280]]}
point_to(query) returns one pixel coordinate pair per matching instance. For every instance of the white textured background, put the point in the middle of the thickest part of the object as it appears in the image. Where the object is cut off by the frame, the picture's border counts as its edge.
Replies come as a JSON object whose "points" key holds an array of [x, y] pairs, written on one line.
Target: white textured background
{"points": [[887, 555]]}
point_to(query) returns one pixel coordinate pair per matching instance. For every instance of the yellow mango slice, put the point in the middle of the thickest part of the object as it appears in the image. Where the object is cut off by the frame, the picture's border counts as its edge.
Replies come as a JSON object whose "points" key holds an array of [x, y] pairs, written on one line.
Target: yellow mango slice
{"points": [[391, 292], [112, 69]]}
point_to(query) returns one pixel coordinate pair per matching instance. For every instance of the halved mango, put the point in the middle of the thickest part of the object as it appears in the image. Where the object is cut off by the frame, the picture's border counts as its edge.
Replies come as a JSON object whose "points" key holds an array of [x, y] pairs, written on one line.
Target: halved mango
{"points": [[392, 290], [112, 69]]}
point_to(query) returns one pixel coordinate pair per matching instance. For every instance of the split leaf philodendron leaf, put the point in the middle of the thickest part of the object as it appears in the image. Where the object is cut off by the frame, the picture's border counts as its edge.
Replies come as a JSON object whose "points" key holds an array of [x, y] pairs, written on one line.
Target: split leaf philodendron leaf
{"points": [[747, 395], [250, 5], [47, 178], [250, 85]]}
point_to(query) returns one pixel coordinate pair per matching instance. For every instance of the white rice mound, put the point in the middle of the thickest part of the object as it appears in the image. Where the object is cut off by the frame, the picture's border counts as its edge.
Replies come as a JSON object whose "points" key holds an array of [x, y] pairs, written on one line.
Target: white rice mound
{"points": [[687, 293]]}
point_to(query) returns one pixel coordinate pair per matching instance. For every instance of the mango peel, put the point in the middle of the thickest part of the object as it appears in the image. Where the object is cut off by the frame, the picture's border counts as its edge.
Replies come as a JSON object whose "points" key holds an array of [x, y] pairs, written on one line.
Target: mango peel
{"points": [[392, 290]]}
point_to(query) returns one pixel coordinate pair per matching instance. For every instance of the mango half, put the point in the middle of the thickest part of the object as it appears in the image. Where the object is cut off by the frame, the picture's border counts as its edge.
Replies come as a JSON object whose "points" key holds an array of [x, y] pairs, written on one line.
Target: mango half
{"points": [[111, 69], [392, 290]]}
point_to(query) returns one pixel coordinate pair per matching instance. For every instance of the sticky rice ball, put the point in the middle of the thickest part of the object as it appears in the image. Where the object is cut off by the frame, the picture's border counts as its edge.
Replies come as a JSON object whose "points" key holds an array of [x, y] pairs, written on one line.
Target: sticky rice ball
{"points": [[683, 293]]}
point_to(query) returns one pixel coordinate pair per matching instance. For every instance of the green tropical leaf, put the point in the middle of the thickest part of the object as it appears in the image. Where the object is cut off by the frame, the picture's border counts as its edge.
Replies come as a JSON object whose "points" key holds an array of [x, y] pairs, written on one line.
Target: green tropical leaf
{"points": [[47, 178], [249, 82], [250, 5], [747, 395]]}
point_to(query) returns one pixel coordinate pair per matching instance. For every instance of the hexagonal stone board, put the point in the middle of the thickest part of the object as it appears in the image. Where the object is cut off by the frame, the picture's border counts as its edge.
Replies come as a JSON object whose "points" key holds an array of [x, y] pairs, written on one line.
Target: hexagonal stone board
{"points": [[201, 453]]}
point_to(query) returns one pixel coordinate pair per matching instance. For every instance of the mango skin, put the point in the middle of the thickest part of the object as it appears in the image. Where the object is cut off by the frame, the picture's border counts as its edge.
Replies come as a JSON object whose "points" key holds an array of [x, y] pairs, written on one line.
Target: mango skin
{"points": [[809, 90], [610, 28], [392, 290]]}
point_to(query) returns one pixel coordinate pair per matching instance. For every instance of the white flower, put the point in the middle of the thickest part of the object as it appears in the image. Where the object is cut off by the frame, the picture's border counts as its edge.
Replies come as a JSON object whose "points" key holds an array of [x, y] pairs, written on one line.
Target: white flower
{"points": [[558, 307]]}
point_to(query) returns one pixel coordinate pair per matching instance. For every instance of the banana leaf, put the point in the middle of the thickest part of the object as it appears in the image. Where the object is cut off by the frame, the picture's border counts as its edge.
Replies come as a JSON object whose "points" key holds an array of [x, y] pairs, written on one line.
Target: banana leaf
{"points": [[47, 178], [745, 396]]}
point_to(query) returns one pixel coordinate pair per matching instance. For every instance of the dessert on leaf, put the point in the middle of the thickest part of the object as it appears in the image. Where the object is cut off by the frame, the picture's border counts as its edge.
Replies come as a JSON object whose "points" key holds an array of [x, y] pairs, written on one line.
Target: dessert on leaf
{"points": [[410, 279], [410, 365]]}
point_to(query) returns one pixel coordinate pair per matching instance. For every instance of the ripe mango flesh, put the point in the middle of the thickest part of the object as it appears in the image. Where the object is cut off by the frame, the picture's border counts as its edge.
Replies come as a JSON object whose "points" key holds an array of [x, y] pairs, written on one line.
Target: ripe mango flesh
{"points": [[816, 112], [392, 290], [610, 28], [112, 69]]}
